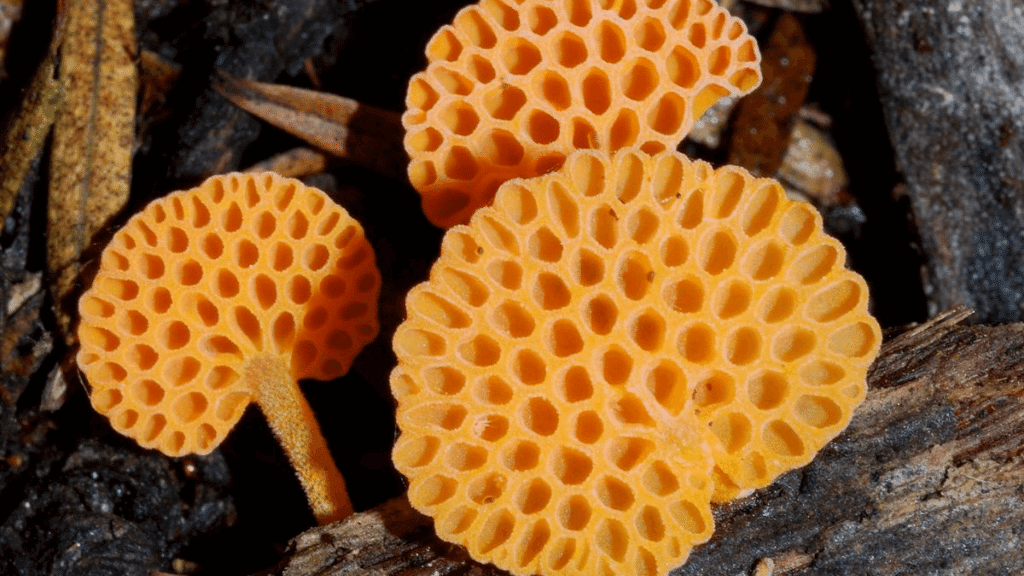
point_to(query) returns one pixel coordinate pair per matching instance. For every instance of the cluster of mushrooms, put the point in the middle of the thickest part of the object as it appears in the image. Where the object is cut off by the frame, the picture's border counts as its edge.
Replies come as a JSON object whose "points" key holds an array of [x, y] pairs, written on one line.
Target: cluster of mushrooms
{"points": [[613, 337]]}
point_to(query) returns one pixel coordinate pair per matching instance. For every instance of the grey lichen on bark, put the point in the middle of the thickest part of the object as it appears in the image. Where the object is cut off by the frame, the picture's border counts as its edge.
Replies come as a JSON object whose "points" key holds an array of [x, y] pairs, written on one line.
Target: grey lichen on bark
{"points": [[951, 81]]}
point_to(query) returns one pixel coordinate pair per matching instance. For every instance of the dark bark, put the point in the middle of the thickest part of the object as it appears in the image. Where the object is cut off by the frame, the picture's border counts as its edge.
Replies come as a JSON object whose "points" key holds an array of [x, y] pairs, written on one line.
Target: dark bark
{"points": [[926, 480], [102, 510], [950, 77]]}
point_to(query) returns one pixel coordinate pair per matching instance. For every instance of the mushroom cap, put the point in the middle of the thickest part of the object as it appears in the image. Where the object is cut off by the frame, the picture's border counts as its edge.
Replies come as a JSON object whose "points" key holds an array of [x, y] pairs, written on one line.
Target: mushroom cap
{"points": [[512, 86], [605, 346], [243, 265]]}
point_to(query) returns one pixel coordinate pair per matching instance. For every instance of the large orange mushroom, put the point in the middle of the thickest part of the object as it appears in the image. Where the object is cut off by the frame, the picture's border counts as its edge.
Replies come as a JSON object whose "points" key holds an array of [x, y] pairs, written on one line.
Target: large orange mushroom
{"points": [[512, 86], [221, 295], [608, 348]]}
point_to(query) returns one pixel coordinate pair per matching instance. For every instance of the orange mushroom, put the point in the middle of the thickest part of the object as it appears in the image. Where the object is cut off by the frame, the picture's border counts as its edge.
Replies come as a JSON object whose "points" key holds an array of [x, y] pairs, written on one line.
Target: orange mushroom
{"points": [[224, 294], [608, 348], [513, 86]]}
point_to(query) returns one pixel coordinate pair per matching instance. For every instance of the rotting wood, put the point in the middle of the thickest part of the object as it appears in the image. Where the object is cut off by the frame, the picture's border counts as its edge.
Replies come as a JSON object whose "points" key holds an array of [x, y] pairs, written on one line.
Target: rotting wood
{"points": [[949, 79], [926, 480]]}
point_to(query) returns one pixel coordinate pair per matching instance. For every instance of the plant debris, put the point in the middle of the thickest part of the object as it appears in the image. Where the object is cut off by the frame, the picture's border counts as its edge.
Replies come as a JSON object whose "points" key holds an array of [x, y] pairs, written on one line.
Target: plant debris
{"points": [[305, 65], [366, 135], [104, 511], [765, 119], [93, 138]]}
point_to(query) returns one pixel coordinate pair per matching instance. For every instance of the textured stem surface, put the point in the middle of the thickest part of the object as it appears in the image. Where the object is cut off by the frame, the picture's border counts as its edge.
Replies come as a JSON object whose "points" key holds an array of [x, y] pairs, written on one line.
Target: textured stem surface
{"points": [[292, 421]]}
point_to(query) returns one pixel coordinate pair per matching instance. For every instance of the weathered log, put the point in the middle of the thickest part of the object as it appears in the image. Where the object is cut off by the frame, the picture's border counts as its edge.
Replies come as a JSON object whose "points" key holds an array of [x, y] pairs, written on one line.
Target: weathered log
{"points": [[927, 479], [950, 75]]}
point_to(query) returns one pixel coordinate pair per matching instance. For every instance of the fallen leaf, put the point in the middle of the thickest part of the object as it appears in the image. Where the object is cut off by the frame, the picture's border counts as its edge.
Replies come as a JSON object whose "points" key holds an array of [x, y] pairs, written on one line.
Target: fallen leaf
{"points": [[813, 166], [26, 135], [295, 163], [765, 118], [94, 132], [365, 135]]}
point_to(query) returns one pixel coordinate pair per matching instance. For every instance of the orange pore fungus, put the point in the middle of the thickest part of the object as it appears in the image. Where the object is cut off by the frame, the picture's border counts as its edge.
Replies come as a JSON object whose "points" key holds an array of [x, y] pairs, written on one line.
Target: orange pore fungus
{"points": [[608, 348], [224, 294], [512, 86]]}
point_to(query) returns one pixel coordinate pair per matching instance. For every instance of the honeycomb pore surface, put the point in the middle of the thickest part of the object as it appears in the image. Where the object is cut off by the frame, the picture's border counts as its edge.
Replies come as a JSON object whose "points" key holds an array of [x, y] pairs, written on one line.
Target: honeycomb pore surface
{"points": [[512, 86], [609, 347], [242, 266]]}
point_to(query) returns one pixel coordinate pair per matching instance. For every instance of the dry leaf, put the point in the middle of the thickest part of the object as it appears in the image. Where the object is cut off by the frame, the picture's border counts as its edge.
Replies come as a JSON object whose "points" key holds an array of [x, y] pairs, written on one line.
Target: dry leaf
{"points": [[94, 132], [813, 166], [765, 117], [27, 132], [295, 163], [368, 136]]}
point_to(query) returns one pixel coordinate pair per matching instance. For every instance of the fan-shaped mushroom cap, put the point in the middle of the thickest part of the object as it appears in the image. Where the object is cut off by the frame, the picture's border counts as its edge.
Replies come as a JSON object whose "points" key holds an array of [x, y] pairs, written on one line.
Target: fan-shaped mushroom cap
{"points": [[512, 86], [604, 346], [202, 281]]}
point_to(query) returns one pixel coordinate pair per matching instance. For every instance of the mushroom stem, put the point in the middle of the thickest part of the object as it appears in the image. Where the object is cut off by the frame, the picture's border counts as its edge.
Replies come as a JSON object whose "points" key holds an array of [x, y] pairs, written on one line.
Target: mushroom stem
{"points": [[292, 421]]}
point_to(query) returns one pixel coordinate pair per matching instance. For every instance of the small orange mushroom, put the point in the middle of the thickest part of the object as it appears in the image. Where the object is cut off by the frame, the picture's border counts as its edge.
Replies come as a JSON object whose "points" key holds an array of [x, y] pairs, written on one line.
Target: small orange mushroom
{"points": [[610, 347], [512, 86], [224, 294]]}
